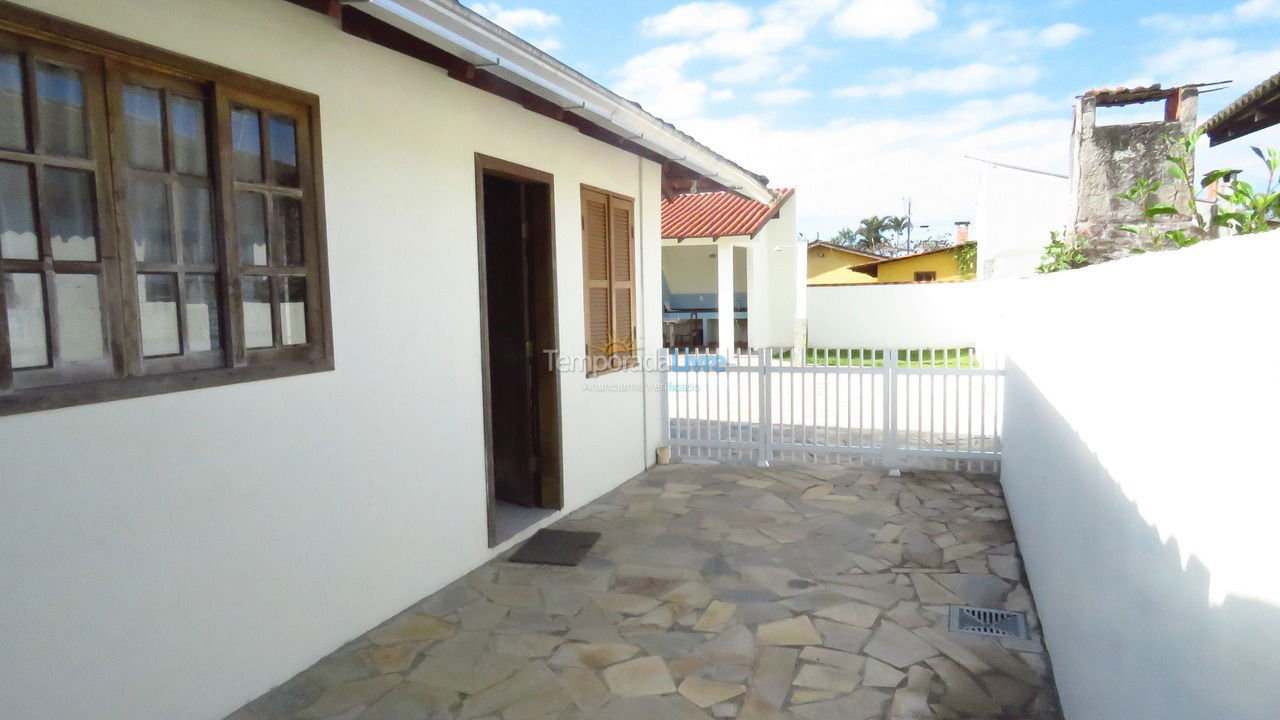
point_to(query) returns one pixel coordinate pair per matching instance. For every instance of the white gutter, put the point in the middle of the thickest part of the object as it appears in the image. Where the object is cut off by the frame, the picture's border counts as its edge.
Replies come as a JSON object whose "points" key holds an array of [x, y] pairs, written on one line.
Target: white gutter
{"points": [[447, 25]]}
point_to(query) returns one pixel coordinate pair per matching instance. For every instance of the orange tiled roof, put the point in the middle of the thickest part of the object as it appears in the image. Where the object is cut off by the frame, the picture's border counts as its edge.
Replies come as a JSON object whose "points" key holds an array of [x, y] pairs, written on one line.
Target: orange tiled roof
{"points": [[717, 214], [957, 246]]}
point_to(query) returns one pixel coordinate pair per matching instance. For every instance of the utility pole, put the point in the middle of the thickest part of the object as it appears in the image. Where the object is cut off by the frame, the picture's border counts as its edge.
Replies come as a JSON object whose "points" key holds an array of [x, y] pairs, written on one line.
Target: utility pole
{"points": [[909, 223]]}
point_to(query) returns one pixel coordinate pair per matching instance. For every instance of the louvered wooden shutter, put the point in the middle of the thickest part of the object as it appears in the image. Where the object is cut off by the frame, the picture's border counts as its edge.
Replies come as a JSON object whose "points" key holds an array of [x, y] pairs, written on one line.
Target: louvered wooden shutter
{"points": [[595, 252], [622, 268]]}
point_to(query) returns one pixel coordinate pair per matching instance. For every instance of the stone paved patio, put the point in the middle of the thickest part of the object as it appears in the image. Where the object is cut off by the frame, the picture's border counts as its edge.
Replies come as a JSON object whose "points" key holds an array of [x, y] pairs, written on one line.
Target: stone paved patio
{"points": [[805, 592]]}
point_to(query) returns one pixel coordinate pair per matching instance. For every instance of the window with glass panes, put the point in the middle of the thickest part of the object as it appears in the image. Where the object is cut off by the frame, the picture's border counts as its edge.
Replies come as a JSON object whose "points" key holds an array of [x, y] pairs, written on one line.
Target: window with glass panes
{"points": [[159, 230]]}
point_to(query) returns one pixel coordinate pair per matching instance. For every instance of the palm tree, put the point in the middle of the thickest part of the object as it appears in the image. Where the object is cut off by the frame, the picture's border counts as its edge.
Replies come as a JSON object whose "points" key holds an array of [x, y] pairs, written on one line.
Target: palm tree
{"points": [[870, 234], [899, 224], [845, 237]]}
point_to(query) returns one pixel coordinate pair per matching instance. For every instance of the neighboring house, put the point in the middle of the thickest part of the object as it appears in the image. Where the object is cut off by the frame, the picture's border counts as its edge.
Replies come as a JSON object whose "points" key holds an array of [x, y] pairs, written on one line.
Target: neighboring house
{"points": [[728, 255], [259, 397], [830, 264], [1016, 211], [942, 265]]}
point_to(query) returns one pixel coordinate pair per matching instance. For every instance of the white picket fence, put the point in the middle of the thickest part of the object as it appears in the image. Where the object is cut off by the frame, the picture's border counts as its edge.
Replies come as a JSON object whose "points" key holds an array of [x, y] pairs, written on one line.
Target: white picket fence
{"points": [[896, 408]]}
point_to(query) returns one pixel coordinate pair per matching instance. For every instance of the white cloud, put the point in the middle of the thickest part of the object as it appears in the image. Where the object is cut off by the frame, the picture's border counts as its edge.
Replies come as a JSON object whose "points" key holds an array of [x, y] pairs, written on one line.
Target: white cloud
{"points": [[753, 69], [698, 19], [961, 80], [1189, 24], [656, 80], [892, 19], [1258, 10], [1060, 34], [752, 44], [1013, 106], [781, 96], [1207, 60], [548, 44], [848, 169], [517, 19], [523, 20], [993, 41]]}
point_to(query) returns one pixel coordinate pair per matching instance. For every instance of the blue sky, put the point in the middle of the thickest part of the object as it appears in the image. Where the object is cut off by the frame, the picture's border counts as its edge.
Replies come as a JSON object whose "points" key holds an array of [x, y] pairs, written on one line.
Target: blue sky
{"points": [[860, 104]]}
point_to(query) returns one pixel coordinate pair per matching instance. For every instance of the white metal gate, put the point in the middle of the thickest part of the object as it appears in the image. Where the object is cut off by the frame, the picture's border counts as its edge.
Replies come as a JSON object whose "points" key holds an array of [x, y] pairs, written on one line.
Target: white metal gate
{"points": [[897, 408]]}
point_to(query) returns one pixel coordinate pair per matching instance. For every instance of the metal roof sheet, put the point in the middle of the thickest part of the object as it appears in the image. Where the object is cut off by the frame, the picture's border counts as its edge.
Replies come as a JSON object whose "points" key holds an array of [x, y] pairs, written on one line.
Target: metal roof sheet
{"points": [[1236, 111]]}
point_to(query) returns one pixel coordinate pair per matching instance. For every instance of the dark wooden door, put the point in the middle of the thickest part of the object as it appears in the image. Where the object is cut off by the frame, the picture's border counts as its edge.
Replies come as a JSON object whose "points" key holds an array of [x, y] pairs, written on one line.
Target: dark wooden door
{"points": [[511, 386]]}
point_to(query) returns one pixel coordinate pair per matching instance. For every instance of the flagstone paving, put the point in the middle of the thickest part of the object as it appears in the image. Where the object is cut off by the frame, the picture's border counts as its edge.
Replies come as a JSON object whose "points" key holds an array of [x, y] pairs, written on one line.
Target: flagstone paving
{"points": [[716, 591]]}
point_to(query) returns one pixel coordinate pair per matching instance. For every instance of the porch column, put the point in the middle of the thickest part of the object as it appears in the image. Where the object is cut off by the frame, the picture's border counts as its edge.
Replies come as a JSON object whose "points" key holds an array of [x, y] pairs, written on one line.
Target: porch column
{"points": [[724, 304], [759, 258]]}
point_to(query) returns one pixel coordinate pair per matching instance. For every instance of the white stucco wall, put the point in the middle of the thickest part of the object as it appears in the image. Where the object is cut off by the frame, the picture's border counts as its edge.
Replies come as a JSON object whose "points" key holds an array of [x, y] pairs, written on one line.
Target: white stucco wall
{"points": [[1015, 212], [786, 278], [172, 557], [691, 268], [935, 315], [1140, 473]]}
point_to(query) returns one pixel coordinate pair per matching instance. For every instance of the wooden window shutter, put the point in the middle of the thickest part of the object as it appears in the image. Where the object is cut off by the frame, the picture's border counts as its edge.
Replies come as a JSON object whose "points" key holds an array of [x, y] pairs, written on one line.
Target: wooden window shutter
{"points": [[595, 252], [621, 266]]}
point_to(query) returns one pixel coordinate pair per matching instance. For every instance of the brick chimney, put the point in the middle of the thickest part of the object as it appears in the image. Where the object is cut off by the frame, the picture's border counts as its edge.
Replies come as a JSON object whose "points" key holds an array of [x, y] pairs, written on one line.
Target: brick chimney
{"points": [[962, 232]]}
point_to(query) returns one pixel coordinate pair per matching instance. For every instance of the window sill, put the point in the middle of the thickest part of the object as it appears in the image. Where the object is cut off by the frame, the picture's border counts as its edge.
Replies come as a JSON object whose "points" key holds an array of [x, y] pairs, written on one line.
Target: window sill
{"points": [[629, 363], [89, 393]]}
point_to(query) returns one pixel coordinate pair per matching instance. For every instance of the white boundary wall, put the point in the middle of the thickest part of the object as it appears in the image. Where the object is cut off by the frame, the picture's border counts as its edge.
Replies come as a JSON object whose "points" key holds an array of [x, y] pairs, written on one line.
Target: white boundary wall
{"points": [[1140, 470], [906, 316]]}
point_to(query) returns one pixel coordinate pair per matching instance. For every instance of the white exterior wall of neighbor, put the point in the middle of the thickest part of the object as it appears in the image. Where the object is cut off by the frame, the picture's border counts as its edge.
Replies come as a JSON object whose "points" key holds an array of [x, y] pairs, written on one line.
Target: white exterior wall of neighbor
{"points": [[1016, 211], [172, 557]]}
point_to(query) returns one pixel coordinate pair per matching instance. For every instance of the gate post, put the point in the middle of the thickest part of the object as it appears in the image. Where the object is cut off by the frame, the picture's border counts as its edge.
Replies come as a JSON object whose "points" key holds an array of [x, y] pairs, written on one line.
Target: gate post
{"points": [[664, 376], [889, 453], [765, 453]]}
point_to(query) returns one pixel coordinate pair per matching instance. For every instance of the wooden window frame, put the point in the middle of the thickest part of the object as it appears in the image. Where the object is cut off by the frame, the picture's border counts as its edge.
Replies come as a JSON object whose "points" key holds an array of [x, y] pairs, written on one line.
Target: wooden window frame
{"points": [[107, 62], [926, 276], [630, 357]]}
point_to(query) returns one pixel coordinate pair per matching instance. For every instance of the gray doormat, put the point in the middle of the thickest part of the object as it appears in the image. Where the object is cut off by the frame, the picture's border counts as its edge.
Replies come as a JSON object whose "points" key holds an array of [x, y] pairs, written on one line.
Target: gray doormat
{"points": [[555, 547]]}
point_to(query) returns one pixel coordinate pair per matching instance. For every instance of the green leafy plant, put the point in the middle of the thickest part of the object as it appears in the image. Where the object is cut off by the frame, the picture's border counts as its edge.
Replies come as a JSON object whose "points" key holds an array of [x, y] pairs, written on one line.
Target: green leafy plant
{"points": [[1143, 194], [1251, 211], [967, 259], [1062, 254]]}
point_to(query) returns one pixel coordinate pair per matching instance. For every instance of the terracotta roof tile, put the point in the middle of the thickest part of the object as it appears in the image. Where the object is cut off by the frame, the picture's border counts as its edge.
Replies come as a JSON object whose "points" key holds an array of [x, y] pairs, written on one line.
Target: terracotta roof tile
{"points": [[717, 214], [957, 246]]}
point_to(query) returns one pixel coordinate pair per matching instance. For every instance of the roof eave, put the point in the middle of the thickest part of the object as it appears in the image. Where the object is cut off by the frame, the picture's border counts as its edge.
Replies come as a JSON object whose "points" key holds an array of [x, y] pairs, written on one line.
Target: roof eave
{"points": [[460, 31], [1255, 110], [775, 207]]}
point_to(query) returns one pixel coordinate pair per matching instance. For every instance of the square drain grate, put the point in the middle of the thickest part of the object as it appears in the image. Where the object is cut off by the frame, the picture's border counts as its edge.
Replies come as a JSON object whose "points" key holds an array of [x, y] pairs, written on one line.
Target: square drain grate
{"points": [[988, 621]]}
